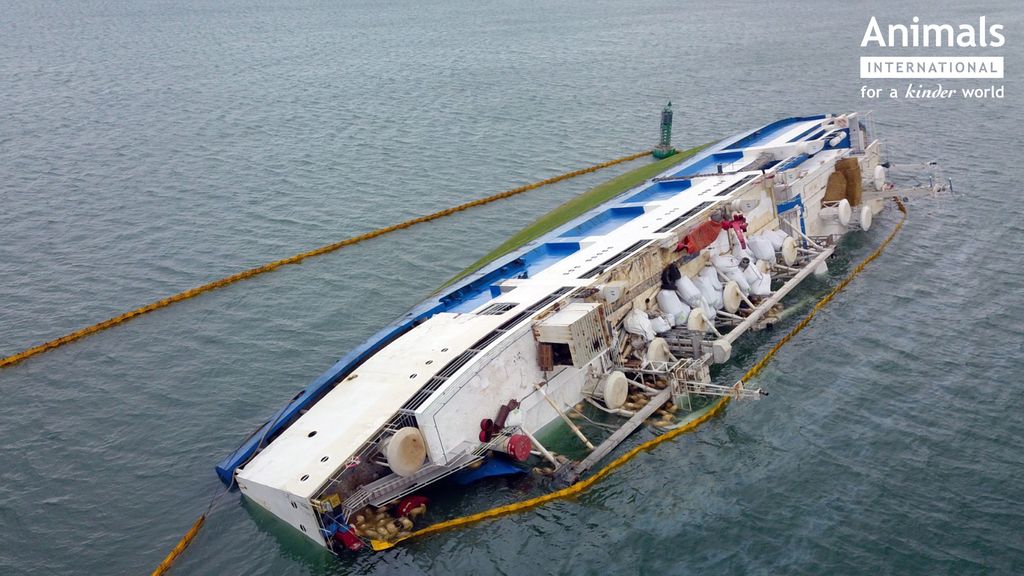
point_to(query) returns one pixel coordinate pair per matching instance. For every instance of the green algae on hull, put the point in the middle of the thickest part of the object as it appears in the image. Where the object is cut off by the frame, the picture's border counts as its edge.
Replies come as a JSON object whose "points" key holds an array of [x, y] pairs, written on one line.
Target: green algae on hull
{"points": [[578, 205]]}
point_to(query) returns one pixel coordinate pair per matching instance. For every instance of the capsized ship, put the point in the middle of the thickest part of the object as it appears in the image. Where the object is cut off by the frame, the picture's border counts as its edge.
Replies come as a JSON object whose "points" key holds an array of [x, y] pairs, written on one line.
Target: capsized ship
{"points": [[624, 309]]}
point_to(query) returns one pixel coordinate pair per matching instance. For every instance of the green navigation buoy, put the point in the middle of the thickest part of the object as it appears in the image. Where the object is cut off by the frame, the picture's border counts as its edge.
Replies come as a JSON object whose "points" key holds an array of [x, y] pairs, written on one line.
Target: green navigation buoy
{"points": [[664, 148]]}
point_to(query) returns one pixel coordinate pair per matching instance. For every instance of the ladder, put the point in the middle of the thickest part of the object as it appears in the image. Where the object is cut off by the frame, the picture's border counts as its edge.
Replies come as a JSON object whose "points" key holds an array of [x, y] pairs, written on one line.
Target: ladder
{"points": [[393, 486]]}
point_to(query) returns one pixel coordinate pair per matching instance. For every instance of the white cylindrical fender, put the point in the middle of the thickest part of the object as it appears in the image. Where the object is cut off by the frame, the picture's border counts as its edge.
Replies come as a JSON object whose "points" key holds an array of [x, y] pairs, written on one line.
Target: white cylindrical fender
{"points": [[840, 212], [764, 266], [776, 237], [741, 252], [736, 275], [865, 218], [661, 324], [688, 291], [879, 177], [673, 320], [729, 266], [670, 303], [515, 418], [789, 251], [710, 275], [821, 270], [732, 297], [721, 244], [751, 274], [760, 281], [763, 286], [761, 247], [845, 212], [614, 390], [709, 295], [637, 322], [710, 311], [406, 451], [682, 316], [724, 263]]}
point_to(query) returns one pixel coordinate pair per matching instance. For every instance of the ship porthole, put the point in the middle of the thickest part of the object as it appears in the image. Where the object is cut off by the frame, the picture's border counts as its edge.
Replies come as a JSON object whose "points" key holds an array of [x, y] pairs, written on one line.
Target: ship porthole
{"points": [[311, 434], [304, 478], [294, 505], [324, 459], [301, 527], [411, 376]]}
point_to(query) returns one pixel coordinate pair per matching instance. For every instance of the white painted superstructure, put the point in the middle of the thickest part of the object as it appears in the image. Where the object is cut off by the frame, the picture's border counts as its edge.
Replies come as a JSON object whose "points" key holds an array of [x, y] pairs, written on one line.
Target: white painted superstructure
{"points": [[418, 379]]}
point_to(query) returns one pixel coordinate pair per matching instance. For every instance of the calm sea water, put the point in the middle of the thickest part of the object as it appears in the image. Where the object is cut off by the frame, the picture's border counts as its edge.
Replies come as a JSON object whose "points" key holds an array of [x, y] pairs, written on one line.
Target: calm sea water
{"points": [[147, 147]]}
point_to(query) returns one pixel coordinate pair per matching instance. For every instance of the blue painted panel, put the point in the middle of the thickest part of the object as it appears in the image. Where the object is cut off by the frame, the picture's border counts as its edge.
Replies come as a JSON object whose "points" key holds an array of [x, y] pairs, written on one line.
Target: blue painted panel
{"points": [[547, 254], [793, 162], [473, 301], [660, 191], [805, 133], [817, 134], [491, 467], [604, 222], [482, 283]]}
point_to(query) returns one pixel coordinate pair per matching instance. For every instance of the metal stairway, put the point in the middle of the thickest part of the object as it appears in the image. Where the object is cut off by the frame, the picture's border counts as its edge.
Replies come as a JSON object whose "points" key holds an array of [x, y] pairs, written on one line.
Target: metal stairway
{"points": [[394, 486]]}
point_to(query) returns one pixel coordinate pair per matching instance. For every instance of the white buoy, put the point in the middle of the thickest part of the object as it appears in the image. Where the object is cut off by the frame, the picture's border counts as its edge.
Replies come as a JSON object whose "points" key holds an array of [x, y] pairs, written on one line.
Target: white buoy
{"points": [[789, 251], [840, 212], [879, 177], [406, 451], [614, 390], [865, 218], [733, 296], [821, 270], [845, 212]]}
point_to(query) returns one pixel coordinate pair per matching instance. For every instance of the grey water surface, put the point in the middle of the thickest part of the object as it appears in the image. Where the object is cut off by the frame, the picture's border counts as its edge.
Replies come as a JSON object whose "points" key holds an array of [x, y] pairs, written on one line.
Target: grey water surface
{"points": [[150, 146]]}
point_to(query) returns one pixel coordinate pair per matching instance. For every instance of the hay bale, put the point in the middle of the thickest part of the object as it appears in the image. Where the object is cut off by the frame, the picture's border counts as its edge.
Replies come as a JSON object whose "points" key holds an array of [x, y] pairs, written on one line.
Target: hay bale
{"points": [[835, 189], [850, 168]]}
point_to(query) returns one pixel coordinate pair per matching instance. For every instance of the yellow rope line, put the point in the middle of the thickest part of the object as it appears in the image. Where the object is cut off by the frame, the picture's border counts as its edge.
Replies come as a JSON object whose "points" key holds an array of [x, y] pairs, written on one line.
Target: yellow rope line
{"points": [[585, 484], [182, 544], [193, 292]]}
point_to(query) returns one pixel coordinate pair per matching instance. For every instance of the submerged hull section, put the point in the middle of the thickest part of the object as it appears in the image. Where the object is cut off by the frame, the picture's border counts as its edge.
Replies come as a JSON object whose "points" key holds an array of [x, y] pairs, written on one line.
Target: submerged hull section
{"points": [[598, 309]]}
